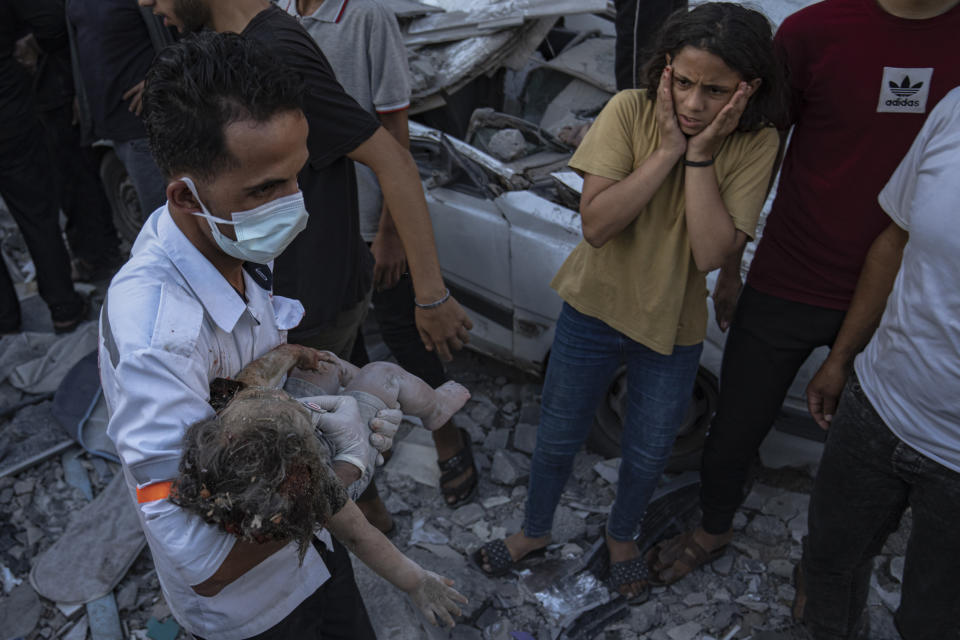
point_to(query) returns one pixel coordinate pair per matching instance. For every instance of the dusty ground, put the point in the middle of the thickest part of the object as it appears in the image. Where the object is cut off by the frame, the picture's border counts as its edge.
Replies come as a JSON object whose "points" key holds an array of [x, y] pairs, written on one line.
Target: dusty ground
{"points": [[747, 589]]}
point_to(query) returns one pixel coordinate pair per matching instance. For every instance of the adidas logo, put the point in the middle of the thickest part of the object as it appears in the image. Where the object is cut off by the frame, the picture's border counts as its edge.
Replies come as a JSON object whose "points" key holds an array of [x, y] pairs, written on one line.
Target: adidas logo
{"points": [[905, 90]]}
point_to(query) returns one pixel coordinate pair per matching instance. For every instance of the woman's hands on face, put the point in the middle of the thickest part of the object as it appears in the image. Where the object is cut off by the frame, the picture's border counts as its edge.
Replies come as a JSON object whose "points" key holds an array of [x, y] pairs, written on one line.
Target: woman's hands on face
{"points": [[672, 139], [705, 144]]}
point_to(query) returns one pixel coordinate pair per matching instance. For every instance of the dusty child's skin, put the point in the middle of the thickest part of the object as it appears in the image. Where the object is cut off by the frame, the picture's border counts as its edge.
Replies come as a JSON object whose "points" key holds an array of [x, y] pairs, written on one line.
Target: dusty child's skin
{"points": [[258, 471], [389, 382]]}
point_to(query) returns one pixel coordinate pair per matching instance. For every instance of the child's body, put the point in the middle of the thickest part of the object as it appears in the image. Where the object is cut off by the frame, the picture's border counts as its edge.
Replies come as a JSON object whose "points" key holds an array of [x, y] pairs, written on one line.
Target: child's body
{"points": [[258, 471]]}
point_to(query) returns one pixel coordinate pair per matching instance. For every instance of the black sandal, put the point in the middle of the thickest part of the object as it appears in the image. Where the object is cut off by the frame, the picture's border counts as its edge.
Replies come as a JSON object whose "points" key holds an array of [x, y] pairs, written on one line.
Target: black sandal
{"points": [[629, 572], [455, 466], [498, 557]]}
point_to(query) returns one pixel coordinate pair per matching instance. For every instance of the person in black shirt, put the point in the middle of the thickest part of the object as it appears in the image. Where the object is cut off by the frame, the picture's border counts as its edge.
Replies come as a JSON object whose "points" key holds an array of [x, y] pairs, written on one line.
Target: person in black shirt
{"points": [[112, 50], [328, 267], [25, 167]]}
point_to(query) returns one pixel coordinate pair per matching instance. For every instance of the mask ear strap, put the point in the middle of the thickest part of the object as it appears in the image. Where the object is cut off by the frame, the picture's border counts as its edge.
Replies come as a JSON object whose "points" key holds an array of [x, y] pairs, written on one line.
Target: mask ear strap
{"points": [[206, 212]]}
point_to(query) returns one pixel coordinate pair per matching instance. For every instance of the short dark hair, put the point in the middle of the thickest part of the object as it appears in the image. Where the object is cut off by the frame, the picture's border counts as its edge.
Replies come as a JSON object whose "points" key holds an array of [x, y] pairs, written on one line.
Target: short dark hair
{"points": [[743, 39], [198, 86]]}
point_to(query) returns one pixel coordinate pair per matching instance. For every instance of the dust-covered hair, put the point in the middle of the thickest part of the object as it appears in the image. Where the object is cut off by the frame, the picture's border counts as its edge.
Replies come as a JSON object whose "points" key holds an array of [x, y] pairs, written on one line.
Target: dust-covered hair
{"points": [[258, 471], [198, 86], [743, 39]]}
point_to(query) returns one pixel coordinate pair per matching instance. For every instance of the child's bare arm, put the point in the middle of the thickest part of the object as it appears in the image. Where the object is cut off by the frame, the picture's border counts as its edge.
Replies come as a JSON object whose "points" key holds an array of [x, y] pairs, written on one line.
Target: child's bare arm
{"points": [[434, 595], [268, 370]]}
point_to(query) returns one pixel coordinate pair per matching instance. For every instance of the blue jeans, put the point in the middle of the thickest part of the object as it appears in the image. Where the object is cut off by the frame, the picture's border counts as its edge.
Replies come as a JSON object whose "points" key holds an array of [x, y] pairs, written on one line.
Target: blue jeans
{"points": [[867, 479], [586, 354]]}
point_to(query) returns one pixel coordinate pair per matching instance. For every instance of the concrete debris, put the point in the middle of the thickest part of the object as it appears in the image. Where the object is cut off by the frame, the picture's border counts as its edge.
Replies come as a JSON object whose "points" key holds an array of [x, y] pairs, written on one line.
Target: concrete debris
{"points": [[509, 468], [507, 144], [609, 470], [20, 612], [467, 514]]}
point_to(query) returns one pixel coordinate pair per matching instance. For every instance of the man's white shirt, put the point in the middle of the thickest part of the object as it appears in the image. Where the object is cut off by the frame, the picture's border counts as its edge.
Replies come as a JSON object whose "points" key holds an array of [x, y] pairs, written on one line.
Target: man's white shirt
{"points": [[171, 324]]}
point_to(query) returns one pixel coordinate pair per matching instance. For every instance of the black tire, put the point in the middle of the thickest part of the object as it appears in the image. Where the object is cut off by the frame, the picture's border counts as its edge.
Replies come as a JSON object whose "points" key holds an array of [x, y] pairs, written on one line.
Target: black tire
{"points": [[121, 193], [604, 437]]}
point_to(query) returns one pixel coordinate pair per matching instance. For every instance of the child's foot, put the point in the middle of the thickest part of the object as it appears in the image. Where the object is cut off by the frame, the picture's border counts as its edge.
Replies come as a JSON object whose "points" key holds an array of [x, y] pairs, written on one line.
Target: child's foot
{"points": [[517, 546], [450, 398]]}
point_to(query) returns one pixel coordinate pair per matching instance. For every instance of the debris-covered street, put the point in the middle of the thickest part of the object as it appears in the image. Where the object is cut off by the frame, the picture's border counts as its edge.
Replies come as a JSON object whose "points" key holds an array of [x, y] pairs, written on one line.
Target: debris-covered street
{"points": [[746, 590], [505, 212]]}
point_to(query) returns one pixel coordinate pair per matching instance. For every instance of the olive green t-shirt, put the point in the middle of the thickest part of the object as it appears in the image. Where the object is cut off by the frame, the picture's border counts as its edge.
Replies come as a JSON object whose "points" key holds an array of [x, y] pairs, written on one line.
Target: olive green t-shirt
{"points": [[644, 282]]}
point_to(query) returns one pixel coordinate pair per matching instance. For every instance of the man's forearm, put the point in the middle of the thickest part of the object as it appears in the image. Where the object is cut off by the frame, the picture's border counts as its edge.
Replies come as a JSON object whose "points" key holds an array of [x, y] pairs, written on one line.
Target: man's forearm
{"points": [[870, 297], [403, 194]]}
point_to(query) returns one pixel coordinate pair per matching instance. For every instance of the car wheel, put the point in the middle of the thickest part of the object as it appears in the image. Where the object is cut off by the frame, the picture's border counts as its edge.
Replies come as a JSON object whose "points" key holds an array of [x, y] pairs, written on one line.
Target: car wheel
{"points": [[121, 193], [607, 427]]}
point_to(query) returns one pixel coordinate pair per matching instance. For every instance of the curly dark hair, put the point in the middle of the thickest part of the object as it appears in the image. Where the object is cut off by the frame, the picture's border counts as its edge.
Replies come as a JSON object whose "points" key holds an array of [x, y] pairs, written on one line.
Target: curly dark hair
{"points": [[198, 86], [743, 39], [258, 471]]}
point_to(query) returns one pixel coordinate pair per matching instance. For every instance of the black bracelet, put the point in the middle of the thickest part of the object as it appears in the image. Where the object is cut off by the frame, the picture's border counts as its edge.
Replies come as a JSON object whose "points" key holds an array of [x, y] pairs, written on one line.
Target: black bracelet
{"points": [[694, 163], [433, 305]]}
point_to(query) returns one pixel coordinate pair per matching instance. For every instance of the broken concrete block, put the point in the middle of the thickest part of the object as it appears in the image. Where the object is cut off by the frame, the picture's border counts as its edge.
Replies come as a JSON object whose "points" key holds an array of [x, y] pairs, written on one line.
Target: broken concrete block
{"points": [[467, 514], [20, 612], [896, 568], [507, 145], [496, 440], [723, 564], [525, 437], [77, 631], [767, 529], [686, 631], [609, 470], [787, 505], [509, 468]]}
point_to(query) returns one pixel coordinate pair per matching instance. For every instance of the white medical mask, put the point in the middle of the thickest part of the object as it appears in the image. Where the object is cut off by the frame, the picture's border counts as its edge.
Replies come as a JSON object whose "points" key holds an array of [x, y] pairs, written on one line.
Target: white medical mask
{"points": [[262, 233]]}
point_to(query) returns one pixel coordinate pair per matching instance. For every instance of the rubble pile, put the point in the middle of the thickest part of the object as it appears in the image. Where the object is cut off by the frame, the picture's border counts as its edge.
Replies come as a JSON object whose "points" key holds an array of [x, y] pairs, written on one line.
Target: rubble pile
{"points": [[747, 589]]}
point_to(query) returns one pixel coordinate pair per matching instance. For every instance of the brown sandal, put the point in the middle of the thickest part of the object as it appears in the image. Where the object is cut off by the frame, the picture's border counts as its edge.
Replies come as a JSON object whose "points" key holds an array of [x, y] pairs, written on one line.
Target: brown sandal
{"points": [[680, 555]]}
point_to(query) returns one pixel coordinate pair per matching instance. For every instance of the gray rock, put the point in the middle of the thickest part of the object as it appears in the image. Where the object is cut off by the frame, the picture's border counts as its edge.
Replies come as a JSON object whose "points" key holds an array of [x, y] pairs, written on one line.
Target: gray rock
{"points": [[609, 470], [695, 599], [686, 631], [567, 525], [525, 437], [509, 468], [467, 514], [468, 424], [787, 505], [396, 505], [739, 521], [507, 144], [6, 496], [465, 542], [20, 612], [496, 440], [495, 501], [781, 567], [750, 565], [767, 529], [723, 564], [510, 392], [753, 603], [483, 411], [441, 551], [25, 486], [646, 616]]}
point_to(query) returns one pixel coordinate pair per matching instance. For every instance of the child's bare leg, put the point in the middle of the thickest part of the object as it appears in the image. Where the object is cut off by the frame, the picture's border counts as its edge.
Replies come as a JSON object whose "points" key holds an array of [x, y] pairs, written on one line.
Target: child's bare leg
{"points": [[329, 375], [394, 385], [268, 370]]}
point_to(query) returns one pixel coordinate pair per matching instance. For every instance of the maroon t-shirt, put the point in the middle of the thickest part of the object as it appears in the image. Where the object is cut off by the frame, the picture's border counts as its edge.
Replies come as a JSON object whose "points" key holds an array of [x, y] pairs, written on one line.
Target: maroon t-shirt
{"points": [[863, 82]]}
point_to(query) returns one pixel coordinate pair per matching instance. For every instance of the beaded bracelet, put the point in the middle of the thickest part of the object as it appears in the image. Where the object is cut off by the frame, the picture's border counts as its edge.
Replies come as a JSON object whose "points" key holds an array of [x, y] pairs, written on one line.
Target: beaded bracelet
{"points": [[434, 305]]}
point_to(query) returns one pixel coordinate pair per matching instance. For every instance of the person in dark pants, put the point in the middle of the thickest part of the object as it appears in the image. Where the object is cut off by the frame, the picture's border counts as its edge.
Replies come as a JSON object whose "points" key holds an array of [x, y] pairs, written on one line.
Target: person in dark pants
{"points": [[27, 182], [847, 62], [112, 49], [894, 440], [637, 23]]}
